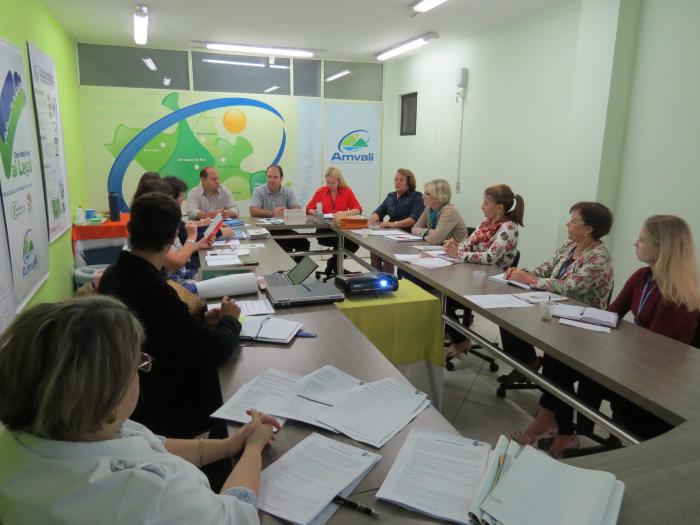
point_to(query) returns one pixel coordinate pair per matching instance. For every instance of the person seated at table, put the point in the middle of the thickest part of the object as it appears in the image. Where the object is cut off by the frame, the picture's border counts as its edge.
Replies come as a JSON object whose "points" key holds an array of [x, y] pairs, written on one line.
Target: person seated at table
{"points": [[582, 270], [440, 219], [211, 197], [335, 197], [270, 200], [69, 382], [663, 296], [494, 242], [148, 183], [403, 208], [184, 389]]}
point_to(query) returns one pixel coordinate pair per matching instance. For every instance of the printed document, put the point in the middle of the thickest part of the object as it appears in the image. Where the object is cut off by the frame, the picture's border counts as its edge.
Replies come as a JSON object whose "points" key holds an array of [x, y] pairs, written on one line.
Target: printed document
{"points": [[497, 301], [301, 484], [327, 385], [437, 474]]}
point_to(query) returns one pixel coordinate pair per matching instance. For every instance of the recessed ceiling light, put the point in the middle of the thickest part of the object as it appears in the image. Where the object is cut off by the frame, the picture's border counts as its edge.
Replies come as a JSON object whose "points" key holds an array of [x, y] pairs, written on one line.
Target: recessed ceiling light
{"points": [[258, 50], [426, 5], [338, 75], [232, 62], [141, 25], [408, 46], [150, 64], [271, 89]]}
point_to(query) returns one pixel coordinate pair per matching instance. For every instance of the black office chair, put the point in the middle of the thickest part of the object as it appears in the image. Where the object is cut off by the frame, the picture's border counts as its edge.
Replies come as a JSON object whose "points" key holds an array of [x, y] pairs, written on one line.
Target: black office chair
{"points": [[477, 349]]}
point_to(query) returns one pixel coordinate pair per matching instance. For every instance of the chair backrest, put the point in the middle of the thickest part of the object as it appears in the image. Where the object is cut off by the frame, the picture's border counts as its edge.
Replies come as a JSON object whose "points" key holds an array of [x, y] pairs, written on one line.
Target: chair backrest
{"points": [[470, 230], [696, 338], [517, 259]]}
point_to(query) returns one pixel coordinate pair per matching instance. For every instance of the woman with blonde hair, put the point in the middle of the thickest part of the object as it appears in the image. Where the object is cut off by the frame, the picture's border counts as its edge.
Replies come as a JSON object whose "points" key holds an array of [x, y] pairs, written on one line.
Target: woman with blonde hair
{"points": [[663, 296], [335, 197], [440, 219], [69, 382]]}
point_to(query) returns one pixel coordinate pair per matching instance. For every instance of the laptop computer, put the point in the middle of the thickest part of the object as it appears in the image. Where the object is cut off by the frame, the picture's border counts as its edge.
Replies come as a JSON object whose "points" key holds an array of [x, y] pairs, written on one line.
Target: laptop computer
{"points": [[304, 294], [296, 275]]}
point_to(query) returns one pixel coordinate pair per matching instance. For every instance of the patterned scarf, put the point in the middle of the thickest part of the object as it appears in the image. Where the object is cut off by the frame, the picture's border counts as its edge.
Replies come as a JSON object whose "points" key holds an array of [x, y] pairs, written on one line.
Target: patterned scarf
{"points": [[486, 231], [433, 217]]}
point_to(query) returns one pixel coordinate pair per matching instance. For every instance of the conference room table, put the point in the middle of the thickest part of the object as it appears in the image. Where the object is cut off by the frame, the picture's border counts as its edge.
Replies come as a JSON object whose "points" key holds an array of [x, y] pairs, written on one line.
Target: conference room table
{"points": [[651, 370], [662, 475]]}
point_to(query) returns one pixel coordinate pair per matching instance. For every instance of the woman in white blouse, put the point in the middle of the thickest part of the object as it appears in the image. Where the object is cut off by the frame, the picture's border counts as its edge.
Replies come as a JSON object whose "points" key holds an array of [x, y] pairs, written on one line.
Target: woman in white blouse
{"points": [[69, 380]]}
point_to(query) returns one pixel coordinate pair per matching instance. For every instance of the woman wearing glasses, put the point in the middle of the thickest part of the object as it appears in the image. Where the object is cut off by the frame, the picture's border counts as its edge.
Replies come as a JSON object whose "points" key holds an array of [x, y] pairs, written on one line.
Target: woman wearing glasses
{"points": [[69, 380], [440, 219], [580, 269]]}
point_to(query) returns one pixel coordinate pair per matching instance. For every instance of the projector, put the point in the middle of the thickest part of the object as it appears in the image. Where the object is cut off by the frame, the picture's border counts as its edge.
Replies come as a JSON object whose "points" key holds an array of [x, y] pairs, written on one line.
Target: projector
{"points": [[367, 283]]}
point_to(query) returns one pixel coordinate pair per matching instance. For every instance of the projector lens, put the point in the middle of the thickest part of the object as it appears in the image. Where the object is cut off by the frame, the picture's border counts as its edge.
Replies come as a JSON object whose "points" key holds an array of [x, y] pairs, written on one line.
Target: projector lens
{"points": [[382, 282]]}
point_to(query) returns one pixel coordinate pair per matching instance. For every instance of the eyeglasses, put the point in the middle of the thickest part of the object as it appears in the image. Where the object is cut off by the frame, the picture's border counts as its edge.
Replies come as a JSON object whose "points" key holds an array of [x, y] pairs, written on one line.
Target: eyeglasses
{"points": [[145, 362], [579, 223], [426, 194]]}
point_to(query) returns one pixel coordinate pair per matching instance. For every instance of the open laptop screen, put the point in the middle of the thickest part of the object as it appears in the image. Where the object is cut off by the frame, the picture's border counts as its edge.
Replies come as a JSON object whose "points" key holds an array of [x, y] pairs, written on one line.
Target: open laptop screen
{"points": [[301, 271]]}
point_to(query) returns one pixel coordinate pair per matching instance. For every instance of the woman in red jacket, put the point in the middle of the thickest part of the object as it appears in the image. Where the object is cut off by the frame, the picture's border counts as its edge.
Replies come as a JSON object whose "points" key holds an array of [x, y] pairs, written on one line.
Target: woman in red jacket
{"points": [[337, 198], [664, 297]]}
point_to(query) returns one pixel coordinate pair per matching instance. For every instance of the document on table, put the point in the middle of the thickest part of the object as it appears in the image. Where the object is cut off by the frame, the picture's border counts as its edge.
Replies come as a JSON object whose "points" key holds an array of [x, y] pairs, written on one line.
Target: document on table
{"points": [[587, 326], [498, 301], [381, 232], [230, 243], [407, 257], [223, 260], [301, 484], [541, 297], [429, 248], [261, 307], [437, 474], [431, 262], [327, 385], [375, 412]]}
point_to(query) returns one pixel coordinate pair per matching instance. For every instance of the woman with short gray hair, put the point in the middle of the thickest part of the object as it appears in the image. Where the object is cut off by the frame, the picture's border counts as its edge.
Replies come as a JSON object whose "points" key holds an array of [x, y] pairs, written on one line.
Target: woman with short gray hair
{"points": [[440, 219], [69, 380]]}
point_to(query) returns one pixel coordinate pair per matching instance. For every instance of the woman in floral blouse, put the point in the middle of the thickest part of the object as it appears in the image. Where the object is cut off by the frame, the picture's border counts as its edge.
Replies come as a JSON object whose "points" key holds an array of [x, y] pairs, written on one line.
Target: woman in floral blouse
{"points": [[495, 242], [582, 270]]}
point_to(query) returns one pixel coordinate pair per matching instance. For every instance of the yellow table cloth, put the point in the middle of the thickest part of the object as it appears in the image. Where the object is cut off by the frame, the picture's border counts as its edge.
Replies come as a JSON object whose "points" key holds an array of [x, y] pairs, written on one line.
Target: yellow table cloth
{"points": [[406, 326]]}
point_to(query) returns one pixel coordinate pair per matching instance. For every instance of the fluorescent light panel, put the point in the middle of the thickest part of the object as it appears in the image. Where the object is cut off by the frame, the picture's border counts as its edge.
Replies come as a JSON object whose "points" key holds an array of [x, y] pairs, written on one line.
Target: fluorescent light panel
{"points": [[257, 50], [150, 64], [232, 62], [278, 66], [408, 46], [141, 25], [427, 5], [338, 75], [271, 89]]}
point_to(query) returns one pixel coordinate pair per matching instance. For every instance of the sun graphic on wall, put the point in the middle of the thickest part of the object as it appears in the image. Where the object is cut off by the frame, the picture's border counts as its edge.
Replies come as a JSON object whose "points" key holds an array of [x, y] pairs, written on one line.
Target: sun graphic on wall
{"points": [[234, 120]]}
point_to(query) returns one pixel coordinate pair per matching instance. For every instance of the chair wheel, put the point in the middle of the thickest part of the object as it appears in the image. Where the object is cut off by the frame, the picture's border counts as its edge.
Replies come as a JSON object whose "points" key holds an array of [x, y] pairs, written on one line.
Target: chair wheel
{"points": [[501, 392], [493, 367]]}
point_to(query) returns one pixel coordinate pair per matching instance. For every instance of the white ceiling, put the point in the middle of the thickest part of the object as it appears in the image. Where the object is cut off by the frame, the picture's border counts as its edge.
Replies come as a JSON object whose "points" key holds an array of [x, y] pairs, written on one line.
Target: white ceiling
{"points": [[349, 29]]}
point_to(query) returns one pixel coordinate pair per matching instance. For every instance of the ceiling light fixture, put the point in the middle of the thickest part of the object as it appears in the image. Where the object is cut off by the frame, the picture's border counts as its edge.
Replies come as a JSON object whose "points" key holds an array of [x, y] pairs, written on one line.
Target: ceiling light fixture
{"points": [[232, 62], [426, 5], [257, 50], [278, 66], [338, 75], [271, 89], [408, 46], [150, 64], [166, 81], [141, 25]]}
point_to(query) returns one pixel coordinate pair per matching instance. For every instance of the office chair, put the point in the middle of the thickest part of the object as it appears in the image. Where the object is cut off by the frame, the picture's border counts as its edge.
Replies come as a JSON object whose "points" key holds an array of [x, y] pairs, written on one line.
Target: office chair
{"points": [[477, 349]]}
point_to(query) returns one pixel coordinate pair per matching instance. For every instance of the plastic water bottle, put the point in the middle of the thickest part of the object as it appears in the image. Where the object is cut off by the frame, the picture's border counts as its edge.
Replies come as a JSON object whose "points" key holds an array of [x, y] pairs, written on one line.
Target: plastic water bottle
{"points": [[79, 215], [319, 213]]}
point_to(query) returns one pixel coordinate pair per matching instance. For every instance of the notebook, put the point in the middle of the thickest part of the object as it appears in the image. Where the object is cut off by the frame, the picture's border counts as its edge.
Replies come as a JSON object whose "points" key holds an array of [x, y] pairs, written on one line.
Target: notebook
{"points": [[586, 315], [501, 278], [269, 330], [296, 275], [304, 294]]}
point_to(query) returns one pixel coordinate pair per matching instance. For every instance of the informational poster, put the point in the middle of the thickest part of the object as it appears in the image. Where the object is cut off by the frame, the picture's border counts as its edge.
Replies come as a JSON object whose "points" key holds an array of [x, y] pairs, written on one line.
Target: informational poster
{"points": [[20, 179], [352, 142], [7, 294], [48, 118]]}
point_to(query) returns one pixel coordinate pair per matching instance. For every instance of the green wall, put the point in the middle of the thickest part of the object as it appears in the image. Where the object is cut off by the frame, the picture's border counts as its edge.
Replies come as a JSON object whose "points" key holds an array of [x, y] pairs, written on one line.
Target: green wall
{"points": [[29, 20]]}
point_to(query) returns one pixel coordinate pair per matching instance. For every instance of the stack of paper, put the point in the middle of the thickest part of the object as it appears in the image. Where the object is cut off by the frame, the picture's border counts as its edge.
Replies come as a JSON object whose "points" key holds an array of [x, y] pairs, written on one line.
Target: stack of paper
{"points": [[402, 237], [300, 486], [258, 233], [352, 222], [222, 258], [269, 330], [498, 301], [375, 412], [574, 495], [501, 278], [437, 474], [327, 385]]}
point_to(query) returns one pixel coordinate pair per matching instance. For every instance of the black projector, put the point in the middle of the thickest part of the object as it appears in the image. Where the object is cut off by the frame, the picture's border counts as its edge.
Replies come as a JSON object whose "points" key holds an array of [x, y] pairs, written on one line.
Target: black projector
{"points": [[366, 283]]}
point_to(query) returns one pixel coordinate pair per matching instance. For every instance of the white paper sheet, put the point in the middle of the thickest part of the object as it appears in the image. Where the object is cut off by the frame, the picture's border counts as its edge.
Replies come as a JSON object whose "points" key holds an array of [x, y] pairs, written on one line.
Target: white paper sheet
{"points": [[541, 297], [231, 243], [261, 307], [501, 278], [498, 301], [437, 474], [407, 257], [327, 385], [431, 262], [376, 411], [381, 232], [299, 486], [235, 284], [587, 326], [428, 248], [223, 260]]}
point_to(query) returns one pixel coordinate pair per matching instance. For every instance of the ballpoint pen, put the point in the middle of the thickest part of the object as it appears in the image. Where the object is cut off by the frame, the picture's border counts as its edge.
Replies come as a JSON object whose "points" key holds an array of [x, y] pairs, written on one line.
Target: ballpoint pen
{"points": [[340, 500]]}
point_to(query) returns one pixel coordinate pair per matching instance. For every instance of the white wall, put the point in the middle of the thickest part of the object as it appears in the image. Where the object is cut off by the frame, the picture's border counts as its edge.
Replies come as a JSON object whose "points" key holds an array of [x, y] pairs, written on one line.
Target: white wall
{"points": [[517, 108]]}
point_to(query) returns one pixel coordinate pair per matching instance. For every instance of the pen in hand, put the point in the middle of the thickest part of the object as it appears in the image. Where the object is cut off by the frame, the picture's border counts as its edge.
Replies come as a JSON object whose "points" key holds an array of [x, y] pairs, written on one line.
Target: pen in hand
{"points": [[340, 500]]}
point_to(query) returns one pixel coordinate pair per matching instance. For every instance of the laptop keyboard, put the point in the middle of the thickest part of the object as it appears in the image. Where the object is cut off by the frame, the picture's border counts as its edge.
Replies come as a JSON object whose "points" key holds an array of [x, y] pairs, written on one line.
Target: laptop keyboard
{"points": [[277, 279]]}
